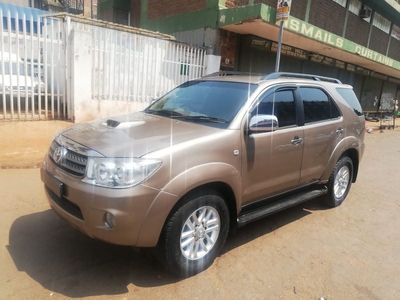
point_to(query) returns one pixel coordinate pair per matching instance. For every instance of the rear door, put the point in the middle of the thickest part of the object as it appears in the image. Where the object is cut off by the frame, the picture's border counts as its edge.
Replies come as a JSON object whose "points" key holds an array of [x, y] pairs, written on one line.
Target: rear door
{"points": [[323, 129]]}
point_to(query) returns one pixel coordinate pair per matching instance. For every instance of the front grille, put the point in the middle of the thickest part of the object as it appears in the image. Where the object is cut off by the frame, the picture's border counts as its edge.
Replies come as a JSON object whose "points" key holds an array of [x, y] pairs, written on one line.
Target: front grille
{"points": [[68, 160]]}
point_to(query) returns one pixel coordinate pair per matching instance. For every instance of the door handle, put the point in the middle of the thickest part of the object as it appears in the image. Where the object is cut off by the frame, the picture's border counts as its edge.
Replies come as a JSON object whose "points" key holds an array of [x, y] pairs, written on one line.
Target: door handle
{"points": [[339, 131], [296, 141]]}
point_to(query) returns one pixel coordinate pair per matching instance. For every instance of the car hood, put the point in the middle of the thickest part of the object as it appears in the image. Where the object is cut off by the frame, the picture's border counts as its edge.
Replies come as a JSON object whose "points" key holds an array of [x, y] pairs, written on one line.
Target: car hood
{"points": [[134, 135]]}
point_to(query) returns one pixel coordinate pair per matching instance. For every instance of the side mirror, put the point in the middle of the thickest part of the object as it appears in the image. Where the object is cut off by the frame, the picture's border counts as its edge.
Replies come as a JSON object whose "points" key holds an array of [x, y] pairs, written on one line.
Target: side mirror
{"points": [[263, 123]]}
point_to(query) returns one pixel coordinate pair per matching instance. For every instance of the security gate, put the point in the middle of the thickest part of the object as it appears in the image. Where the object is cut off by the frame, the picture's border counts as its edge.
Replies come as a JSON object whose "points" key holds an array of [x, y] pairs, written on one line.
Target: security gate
{"points": [[55, 67], [32, 67]]}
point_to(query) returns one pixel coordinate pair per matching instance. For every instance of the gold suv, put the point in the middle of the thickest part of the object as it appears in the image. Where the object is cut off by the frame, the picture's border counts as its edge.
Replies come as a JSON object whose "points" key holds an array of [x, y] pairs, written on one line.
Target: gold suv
{"points": [[211, 155]]}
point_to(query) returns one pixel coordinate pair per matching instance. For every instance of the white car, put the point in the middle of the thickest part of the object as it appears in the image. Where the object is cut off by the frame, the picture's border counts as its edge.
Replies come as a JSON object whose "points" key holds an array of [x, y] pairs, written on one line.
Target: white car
{"points": [[15, 77]]}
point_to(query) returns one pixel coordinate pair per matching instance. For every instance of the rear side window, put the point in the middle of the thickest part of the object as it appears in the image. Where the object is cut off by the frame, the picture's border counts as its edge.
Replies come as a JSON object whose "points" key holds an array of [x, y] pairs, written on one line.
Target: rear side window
{"points": [[318, 106], [351, 99]]}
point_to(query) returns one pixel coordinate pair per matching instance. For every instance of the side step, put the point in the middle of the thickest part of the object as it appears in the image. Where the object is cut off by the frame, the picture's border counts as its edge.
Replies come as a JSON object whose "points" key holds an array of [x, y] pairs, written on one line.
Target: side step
{"points": [[282, 204]]}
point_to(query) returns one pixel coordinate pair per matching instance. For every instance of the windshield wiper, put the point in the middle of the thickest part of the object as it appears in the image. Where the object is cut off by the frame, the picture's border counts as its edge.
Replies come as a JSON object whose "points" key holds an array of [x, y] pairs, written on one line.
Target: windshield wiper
{"points": [[164, 112], [206, 118]]}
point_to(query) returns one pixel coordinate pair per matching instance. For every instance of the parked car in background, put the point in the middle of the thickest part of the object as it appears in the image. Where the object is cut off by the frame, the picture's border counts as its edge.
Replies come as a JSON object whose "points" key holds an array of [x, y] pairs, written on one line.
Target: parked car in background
{"points": [[16, 76], [211, 155]]}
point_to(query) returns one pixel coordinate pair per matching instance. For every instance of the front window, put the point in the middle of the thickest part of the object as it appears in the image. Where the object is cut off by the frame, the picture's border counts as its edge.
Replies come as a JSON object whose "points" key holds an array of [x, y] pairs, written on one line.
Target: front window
{"points": [[213, 103]]}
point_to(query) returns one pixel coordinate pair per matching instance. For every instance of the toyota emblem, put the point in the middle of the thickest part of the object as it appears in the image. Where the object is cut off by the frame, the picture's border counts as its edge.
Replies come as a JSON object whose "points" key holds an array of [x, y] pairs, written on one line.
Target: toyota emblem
{"points": [[59, 154]]}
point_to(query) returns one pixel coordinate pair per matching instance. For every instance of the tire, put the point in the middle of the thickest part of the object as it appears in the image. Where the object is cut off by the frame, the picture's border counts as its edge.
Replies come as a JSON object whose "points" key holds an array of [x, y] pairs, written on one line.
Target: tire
{"points": [[194, 234], [339, 182]]}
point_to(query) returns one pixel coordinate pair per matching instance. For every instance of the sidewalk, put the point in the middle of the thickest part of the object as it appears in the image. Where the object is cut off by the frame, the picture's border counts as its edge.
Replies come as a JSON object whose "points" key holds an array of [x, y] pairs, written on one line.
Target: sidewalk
{"points": [[23, 144]]}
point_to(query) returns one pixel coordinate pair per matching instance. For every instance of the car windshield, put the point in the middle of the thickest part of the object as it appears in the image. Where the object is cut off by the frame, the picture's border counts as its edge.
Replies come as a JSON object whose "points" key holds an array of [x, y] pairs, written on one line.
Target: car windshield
{"points": [[213, 103]]}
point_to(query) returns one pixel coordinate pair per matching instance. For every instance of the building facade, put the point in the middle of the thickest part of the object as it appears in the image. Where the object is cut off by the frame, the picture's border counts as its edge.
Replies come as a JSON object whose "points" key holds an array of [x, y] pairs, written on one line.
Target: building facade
{"points": [[357, 41]]}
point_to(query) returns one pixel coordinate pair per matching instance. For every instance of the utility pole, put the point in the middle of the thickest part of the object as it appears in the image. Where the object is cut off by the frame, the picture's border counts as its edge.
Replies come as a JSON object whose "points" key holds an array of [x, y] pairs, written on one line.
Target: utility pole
{"points": [[282, 14]]}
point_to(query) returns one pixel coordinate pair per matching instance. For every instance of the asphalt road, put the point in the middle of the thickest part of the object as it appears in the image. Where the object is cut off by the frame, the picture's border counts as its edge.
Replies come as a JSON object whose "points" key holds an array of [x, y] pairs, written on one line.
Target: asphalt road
{"points": [[306, 252]]}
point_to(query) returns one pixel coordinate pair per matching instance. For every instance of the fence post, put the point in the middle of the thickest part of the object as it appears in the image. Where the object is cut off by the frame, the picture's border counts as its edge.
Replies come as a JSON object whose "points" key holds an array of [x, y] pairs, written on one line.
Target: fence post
{"points": [[212, 62], [81, 74]]}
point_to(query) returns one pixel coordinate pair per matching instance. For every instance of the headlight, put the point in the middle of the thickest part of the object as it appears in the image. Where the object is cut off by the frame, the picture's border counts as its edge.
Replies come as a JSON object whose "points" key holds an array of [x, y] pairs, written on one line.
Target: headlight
{"points": [[119, 172]]}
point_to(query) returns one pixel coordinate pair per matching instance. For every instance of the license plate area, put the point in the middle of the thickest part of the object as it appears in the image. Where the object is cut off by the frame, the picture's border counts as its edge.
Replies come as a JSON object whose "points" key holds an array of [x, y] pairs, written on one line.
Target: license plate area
{"points": [[55, 185]]}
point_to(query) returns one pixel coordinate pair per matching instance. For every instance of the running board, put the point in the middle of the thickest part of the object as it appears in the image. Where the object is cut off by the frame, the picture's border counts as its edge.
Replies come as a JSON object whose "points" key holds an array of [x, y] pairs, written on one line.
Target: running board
{"points": [[271, 208]]}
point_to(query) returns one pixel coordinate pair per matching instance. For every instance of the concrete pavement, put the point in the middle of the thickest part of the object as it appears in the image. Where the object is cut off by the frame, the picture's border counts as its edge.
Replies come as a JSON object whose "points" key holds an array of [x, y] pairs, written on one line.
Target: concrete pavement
{"points": [[23, 144]]}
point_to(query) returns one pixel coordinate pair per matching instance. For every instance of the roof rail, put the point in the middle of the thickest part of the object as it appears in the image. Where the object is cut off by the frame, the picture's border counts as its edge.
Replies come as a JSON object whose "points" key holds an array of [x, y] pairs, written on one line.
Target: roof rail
{"points": [[277, 75], [231, 73]]}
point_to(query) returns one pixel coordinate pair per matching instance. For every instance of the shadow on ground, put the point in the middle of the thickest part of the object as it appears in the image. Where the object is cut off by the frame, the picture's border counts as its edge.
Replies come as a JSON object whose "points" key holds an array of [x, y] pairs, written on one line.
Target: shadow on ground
{"points": [[65, 261]]}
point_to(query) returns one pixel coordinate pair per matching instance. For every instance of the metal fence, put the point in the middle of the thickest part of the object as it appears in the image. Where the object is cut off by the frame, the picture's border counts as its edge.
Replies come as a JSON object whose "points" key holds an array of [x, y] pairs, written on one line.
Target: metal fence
{"points": [[38, 62], [32, 66], [132, 67]]}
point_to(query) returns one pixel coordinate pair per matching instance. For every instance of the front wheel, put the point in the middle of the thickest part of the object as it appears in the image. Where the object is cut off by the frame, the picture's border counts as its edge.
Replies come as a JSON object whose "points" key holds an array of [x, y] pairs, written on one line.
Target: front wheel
{"points": [[340, 182], [194, 234]]}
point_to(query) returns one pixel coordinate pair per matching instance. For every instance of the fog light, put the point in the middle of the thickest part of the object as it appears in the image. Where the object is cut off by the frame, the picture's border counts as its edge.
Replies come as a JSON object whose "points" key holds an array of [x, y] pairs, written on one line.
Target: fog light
{"points": [[109, 219]]}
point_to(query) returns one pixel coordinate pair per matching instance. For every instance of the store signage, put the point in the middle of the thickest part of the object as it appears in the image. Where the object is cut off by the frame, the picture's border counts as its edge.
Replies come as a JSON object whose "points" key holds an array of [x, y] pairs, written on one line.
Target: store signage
{"points": [[283, 10], [379, 76], [315, 33], [340, 64], [267, 45], [372, 55], [351, 68], [290, 51], [363, 71]]}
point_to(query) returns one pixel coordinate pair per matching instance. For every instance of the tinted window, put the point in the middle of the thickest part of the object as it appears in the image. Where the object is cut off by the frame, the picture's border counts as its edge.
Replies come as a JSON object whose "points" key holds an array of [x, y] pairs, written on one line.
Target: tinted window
{"points": [[317, 105], [351, 99], [281, 104], [201, 99]]}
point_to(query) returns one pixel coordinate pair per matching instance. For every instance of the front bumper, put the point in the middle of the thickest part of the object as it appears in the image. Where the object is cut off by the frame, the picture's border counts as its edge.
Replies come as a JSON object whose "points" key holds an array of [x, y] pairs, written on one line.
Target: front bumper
{"points": [[84, 207]]}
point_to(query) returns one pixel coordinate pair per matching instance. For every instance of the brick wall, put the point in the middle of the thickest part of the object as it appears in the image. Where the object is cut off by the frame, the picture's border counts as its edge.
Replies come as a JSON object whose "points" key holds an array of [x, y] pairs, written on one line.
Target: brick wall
{"points": [[357, 30], [135, 12], [114, 15], [298, 9], [327, 15], [158, 9], [90, 8], [394, 49], [272, 3], [227, 44], [234, 3], [379, 40]]}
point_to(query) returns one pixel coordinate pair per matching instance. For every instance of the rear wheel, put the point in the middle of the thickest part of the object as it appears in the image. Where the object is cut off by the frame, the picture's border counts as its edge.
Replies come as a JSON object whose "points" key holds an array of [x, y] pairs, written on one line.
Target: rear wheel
{"points": [[194, 234], [340, 182]]}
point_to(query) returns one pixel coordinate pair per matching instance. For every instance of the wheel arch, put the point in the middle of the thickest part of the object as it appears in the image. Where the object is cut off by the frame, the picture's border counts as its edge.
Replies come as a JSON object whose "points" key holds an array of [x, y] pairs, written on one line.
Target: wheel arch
{"points": [[222, 189], [347, 147], [353, 155]]}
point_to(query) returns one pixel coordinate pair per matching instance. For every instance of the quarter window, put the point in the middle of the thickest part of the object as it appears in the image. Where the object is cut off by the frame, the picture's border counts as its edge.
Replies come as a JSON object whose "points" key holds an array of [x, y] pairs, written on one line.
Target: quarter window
{"points": [[280, 104], [317, 105]]}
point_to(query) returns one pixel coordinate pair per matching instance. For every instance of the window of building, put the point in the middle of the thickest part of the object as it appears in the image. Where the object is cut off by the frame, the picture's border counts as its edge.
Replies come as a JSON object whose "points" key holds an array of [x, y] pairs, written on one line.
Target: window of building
{"points": [[396, 32], [381, 23], [355, 6], [317, 105], [341, 2]]}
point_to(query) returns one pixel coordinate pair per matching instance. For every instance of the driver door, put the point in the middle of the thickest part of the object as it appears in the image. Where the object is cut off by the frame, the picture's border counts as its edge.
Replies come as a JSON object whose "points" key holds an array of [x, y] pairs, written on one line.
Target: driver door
{"points": [[272, 160]]}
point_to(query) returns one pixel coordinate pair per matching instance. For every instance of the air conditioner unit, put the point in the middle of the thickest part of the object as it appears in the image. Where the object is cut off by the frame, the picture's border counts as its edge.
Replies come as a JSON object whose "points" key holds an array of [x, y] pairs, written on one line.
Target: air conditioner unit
{"points": [[365, 12]]}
